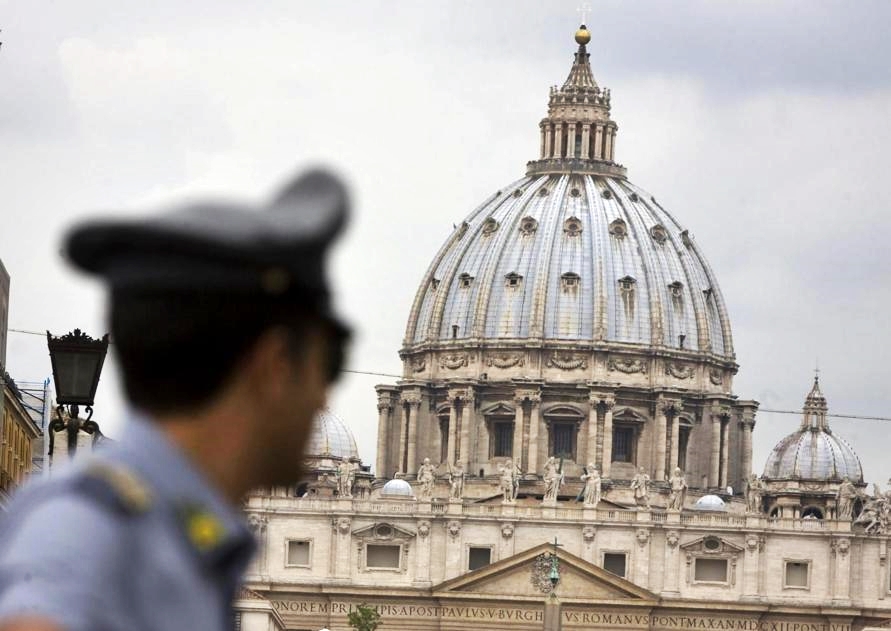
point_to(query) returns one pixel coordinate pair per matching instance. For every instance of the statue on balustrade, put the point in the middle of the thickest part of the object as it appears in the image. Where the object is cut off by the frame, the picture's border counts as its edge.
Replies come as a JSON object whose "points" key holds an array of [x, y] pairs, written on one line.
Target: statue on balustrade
{"points": [[427, 479], [593, 485], [640, 485], [553, 478], [509, 480], [678, 484], [754, 495], [346, 476], [876, 514], [844, 499], [456, 481]]}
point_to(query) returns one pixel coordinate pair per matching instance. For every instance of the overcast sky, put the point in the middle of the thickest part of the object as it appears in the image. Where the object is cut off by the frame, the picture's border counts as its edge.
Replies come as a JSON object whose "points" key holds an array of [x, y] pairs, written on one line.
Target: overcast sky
{"points": [[763, 126]]}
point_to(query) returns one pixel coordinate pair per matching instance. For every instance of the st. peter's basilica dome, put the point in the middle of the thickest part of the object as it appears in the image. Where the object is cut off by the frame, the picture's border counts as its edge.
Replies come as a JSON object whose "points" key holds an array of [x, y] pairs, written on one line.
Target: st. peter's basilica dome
{"points": [[331, 438], [572, 252]]}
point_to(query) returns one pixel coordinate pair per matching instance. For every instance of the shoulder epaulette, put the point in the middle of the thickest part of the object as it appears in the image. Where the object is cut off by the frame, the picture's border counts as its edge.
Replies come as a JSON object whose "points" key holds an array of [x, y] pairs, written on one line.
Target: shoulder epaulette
{"points": [[115, 485]]}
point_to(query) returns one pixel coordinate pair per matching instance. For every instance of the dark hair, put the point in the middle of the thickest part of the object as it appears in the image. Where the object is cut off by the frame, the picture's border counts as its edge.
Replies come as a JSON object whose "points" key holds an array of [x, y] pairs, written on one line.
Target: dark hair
{"points": [[178, 349]]}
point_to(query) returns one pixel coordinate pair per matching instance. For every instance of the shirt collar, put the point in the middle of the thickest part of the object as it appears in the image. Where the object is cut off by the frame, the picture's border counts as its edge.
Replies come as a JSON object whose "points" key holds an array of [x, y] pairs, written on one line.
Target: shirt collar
{"points": [[174, 479]]}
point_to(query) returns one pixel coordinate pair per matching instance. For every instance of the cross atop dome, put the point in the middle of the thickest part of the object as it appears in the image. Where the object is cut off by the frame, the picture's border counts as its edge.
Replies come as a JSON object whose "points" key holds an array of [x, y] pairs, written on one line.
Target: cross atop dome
{"points": [[578, 136]]}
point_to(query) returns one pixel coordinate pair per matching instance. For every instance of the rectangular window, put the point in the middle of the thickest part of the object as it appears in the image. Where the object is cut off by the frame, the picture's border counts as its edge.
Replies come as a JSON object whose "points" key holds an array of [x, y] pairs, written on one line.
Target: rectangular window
{"points": [[382, 556], [710, 570], [563, 440], [298, 554], [503, 445], [478, 557], [615, 562], [623, 444], [797, 574]]}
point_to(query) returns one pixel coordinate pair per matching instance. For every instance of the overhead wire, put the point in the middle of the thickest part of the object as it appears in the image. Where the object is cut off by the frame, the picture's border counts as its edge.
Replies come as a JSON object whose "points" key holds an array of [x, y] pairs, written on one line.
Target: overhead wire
{"points": [[859, 417]]}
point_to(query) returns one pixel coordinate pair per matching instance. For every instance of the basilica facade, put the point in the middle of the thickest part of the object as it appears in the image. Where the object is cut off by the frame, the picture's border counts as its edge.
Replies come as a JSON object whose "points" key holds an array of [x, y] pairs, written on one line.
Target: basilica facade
{"points": [[566, 431]]}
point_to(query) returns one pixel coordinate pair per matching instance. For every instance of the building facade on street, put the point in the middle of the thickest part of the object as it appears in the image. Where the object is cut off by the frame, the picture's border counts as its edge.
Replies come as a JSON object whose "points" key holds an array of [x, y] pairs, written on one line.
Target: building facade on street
{"points": [[19, 433], [567, 406]]}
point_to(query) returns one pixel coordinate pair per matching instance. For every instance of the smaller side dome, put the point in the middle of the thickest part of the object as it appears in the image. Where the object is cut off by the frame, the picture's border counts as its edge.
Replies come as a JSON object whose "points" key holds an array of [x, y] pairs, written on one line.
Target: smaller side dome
{"points": [[710, 502], [397, 489], [814, 453], [331, 438]]}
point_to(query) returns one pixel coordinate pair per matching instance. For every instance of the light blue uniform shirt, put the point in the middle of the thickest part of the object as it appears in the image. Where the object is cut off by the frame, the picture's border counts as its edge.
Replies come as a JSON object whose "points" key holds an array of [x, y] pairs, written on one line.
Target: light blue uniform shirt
{"points": [[75, 550]]}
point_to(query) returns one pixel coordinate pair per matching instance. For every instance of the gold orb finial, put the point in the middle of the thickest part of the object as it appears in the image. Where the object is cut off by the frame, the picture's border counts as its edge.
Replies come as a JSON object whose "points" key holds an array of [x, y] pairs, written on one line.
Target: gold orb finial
{"points": [[583, 35]]}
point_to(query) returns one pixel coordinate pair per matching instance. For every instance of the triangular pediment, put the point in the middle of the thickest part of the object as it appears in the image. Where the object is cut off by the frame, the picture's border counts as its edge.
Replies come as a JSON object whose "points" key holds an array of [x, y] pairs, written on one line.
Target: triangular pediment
{"points": [[383, 531], [711, 545], [521, 575]]}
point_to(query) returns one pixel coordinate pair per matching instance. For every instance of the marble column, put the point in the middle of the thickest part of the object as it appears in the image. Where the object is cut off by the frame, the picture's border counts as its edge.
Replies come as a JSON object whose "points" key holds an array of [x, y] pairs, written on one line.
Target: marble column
{"points": [[671, 574], [675, 443], [746, 449], [534, 434], [608, 403], [725, 451], [549, 144], [422, 554], [558, 140], [598, 142], [403, 439], [544, 141], [383, 436], [342, 541], [610, 138], [752, 566], [586, 141], [841, 589], [661, 431], [591, 451], [715, 460], [570, 141], [453, 426], [414, 403], [517, 451], [466, 424]]}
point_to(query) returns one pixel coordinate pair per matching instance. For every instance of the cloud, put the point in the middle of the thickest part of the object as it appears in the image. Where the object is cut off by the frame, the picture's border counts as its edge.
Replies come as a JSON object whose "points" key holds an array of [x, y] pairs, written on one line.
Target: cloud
{"points": [[761, 126]]}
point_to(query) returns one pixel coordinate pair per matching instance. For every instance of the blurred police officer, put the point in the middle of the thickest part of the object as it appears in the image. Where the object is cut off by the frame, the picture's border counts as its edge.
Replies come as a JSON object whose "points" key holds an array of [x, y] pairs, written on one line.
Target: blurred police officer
{"points": [[221, 321]]}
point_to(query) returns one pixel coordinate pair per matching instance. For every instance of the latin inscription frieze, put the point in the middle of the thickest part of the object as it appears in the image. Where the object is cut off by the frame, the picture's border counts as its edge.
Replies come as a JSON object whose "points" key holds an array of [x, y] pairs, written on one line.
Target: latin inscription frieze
{"points": [[572, 618]]}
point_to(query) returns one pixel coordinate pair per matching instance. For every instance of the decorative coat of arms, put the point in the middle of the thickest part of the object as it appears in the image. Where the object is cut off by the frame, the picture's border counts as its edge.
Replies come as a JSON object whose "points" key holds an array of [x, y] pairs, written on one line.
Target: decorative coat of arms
{"points": [[541, 571]]}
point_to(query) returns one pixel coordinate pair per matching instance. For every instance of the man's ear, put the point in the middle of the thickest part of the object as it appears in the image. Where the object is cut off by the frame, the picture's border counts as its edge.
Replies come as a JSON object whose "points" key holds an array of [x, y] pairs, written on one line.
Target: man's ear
{"points": [[269, 364]]}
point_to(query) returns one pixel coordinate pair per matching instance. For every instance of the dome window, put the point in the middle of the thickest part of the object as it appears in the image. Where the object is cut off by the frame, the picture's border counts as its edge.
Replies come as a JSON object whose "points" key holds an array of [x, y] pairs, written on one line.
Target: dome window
{"points": [[528, 226], [465, 280], [489, 226], [659, 234], [707, 292], [607, 194], [687, 239], [572, 226], [513, 280], [544, 192], [676, 289], [633, 197], [518, 192], [627, 283], [618, 229], [570, 280], [434, 284], [575, 192]]}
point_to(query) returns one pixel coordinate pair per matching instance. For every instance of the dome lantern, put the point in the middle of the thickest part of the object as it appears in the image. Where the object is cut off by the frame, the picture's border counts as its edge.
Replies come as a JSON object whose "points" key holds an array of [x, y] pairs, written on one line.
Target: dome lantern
{"points": [[578, 135]]}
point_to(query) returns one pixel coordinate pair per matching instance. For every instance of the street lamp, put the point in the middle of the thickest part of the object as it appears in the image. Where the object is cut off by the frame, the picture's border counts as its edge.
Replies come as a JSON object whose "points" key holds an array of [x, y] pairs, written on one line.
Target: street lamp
{"points": [[77, 363]]}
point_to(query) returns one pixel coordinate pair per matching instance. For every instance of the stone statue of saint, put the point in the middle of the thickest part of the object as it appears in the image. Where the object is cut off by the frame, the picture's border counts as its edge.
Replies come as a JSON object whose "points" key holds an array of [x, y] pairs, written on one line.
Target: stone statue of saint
{"points": [[591, 478], [427, 478], [754, 493], [640, 485], [509, 480], [346, 475], [845, 497], [678, 484], [553, 478], [456, 481]]}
